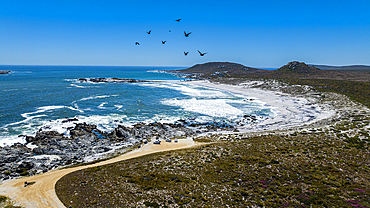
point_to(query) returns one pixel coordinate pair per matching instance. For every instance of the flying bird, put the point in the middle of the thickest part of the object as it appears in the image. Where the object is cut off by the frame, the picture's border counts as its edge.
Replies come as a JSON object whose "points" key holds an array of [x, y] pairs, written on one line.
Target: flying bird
{"points": [[186, 53], [149, 32], [178, 20], [201, 54], [169, 31], [164, 41], [137, 43], [187, 34]]}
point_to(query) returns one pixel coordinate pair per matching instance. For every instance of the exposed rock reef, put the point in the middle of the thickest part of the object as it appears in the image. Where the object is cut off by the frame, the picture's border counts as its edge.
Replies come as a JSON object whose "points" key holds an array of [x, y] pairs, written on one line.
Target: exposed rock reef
{"points": [[5, 72], [48, 150], [110, 80]]}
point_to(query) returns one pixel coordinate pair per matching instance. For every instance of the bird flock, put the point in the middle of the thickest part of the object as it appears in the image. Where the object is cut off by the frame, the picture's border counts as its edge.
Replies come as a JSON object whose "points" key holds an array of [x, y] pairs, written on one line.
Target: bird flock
{"points": [[164, 41]]}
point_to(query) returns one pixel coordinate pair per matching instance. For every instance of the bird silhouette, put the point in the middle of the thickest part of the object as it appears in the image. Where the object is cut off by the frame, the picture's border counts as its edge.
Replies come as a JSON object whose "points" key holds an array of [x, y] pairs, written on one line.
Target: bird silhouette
{"points": [[149, 32], [169, 31], [201, 54], [187, 34], [178, 20], [186, 53], [137, 43], [164, 41]]}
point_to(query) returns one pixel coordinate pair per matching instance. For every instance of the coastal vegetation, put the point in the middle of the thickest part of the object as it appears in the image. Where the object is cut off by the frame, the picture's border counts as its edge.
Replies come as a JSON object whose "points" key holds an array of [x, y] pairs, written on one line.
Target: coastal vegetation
{"points": [[5, 202], [320, 165]]}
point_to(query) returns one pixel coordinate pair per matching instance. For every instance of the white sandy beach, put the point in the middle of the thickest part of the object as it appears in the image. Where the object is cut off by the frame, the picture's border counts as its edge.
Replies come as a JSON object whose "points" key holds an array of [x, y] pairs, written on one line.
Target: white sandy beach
{"points": [[290, 111]]}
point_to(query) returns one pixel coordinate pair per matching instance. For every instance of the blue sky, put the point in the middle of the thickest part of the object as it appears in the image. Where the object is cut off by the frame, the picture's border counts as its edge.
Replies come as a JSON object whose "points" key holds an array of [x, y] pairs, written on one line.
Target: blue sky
{"points": [[263, 33]]}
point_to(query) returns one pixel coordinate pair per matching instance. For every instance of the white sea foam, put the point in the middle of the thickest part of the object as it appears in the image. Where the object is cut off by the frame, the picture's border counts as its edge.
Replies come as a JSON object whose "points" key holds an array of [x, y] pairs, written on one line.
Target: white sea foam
{"points": [[32, 115], [191, 90], [118, 107], [101, 106], [9, 90], [78, 86], [104, 123], [214, 108], [9, 140], [96, 97], [41, 110], [75, 109]]}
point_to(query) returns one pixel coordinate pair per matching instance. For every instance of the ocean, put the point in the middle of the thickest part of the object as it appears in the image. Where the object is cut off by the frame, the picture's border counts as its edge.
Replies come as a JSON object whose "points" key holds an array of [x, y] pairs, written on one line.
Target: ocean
{"points": [[34, 97]]}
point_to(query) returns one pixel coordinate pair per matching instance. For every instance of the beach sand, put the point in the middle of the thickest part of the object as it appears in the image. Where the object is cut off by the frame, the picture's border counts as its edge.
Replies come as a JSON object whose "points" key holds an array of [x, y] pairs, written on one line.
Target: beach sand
{"points": [[290, 111]]}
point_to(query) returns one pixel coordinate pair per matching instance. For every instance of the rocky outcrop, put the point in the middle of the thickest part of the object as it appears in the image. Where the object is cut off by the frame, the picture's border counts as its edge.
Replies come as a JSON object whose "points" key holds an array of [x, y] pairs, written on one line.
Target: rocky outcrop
{"points": [[144, 131], [5, 72], [298, 67], [49, 149], [44, 135], [110, 80]]}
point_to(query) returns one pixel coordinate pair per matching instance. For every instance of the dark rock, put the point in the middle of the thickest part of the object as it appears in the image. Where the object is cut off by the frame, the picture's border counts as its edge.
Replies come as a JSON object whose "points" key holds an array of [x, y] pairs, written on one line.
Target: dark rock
{"points": [[110, 80], [30, 139], [69, 120], [5, 72], [45, 135], [82, 80]]}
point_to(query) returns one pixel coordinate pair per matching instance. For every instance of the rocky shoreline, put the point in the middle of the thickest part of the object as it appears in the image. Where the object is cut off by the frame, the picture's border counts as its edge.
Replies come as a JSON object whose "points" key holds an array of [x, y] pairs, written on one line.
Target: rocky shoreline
{"points": [[83, 143]]}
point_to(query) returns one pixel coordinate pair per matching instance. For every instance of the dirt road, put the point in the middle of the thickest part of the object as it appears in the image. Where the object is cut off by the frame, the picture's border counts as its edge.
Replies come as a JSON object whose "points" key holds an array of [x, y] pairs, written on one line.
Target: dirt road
{"points": [[42, 193]]}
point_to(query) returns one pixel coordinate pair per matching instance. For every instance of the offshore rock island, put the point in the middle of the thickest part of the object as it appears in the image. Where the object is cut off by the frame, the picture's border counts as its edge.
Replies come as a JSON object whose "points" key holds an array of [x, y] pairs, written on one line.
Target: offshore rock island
{"points": [[111, 80], [5, 72]]}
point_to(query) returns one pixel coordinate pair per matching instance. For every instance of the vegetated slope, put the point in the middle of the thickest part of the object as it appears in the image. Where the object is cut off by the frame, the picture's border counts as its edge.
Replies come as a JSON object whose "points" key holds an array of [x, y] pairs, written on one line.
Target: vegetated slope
{"points": [[300, 70], [292, 70], [350, 67], [316, 168], [296, 67], [223, 68]]}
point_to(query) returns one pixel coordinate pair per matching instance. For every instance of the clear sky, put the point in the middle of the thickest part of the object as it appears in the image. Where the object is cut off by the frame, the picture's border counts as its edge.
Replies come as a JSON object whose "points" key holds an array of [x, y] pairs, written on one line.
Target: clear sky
{"points": [[264, 33]]}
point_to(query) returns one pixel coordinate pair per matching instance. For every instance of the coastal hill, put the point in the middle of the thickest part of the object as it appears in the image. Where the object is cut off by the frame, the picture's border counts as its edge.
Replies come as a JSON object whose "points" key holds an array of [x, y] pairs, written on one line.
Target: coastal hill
{"points": [[293, 69], [350, 67], [297, 70], [222, 69], [298, 67]]}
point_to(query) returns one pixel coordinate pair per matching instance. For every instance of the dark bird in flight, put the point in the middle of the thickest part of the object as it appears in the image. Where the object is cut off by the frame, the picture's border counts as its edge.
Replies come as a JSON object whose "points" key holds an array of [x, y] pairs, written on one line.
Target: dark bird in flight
{"points": [[149, 32], [169, 31], [186, 53], [178, 20], [137, 43], [201, 54], [187, 34], [164, 41]]}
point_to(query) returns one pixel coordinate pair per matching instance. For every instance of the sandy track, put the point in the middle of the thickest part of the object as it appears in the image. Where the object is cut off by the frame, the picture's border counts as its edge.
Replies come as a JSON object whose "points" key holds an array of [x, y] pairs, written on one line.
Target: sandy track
{"points": [[42, 193]]}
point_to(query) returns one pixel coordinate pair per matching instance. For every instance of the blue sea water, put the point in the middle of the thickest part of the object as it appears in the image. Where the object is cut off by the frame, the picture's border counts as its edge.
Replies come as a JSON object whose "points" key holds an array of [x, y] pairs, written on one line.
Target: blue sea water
{"points": [[43, 96]]}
